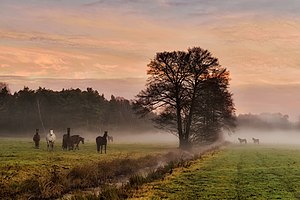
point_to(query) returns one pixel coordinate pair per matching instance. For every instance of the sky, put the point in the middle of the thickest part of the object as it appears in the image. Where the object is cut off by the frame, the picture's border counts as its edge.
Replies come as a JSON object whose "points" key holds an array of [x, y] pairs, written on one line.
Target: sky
{"points": [[107, 44]]}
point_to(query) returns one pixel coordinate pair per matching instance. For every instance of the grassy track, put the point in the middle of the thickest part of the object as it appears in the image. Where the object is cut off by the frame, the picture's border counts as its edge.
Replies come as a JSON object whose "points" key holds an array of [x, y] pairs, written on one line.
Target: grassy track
{"points": [[237, 172], [19, 160]]}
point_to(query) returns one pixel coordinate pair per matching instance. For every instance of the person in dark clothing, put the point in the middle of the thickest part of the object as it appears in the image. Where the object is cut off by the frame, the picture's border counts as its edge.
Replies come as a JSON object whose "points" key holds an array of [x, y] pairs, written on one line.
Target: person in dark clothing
{"points": [[36, 139]]}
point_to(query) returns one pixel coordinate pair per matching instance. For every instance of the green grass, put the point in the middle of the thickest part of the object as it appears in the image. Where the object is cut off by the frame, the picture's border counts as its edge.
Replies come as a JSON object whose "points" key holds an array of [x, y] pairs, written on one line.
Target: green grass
{"points": [[19, 160], [237, 172]]}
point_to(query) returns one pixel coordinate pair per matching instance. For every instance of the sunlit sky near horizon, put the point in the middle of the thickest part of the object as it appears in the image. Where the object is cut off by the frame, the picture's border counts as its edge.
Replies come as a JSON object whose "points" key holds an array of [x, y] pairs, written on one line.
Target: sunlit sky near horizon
{"points": [[107, 45]]}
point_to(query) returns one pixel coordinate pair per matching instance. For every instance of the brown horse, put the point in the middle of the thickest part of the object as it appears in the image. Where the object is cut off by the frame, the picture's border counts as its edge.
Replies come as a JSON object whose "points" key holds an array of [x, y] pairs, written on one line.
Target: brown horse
{"points": [[101, 141], [75, 140]]}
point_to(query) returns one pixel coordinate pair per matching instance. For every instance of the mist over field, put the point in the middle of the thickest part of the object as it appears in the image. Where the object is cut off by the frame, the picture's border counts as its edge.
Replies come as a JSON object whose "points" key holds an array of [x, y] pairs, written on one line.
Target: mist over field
{"points": [[158, 137], [266, 136], [269, 128], [103, 99], [142, 137]]}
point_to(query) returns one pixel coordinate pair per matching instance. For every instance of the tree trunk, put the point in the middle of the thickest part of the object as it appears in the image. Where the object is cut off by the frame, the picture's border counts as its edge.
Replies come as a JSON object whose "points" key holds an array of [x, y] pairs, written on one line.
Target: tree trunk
{"points": [[183, 138], [184, 144]]}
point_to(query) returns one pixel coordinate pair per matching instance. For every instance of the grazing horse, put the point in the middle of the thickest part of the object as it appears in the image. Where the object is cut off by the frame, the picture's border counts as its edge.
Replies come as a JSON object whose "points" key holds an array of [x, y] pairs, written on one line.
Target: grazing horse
{"points": [[256, 141], [110, 138], [75, 140], [101, 141], [50, 138], [242, 140]]}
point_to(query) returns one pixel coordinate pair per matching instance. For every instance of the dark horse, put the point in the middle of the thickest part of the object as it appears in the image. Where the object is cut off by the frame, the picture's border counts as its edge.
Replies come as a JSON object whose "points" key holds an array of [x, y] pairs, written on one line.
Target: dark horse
{"points": [[36, 138], [101, 141], [256, 141], [66, 143], [242, 140], [75, 140]]}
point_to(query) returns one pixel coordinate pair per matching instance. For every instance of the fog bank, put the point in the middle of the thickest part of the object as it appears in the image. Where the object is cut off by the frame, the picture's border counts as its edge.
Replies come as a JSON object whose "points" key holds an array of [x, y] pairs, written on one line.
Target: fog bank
{"points": [[266, 137]]}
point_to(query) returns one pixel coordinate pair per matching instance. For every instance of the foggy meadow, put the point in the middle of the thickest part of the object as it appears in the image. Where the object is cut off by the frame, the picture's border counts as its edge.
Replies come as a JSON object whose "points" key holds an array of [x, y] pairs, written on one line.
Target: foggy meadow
{"points": [[75, 143], [163, 99], [270, 128], [149, 151]]}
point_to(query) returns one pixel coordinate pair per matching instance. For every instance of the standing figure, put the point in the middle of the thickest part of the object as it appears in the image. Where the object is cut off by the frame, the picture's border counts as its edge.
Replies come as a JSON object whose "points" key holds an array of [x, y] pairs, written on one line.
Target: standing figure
{"points": [[101, 141], [36, 139]]}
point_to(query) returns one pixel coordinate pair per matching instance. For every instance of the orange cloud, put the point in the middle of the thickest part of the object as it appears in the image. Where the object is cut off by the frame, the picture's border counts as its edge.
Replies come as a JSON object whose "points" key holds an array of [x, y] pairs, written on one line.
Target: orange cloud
{"points": [[106, 41]]}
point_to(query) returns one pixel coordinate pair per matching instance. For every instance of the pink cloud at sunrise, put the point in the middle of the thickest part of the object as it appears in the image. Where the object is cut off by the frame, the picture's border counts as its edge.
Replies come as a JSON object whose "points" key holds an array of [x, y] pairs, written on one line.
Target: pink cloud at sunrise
{"points": [[105, 44]]}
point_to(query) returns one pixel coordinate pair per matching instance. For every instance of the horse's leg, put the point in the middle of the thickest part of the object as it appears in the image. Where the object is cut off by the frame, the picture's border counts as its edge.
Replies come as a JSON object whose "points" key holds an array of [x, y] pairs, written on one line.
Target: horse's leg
{"points": [[105, 148]]}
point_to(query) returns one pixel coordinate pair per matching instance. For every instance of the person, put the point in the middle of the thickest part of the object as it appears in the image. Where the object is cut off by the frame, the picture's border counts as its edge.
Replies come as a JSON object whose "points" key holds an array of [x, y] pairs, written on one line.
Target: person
{"points": [[36, 139]]}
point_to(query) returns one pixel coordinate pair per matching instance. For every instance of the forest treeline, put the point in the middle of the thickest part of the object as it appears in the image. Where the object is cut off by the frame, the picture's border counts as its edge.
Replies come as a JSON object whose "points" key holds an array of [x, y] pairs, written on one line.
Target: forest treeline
{"points": [[26, 110], [266, 121]]}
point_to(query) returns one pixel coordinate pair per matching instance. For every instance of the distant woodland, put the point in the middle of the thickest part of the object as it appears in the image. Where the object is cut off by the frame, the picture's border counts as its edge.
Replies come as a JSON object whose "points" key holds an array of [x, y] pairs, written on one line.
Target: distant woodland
{"points": [[26, 110], [267, 121]]}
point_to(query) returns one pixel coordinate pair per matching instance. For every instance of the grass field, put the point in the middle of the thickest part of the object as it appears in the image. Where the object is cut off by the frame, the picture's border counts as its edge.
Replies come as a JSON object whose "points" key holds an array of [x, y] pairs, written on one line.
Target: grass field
{"points": [[20, 162], [19, 155], [232, 172], [236, 172]]}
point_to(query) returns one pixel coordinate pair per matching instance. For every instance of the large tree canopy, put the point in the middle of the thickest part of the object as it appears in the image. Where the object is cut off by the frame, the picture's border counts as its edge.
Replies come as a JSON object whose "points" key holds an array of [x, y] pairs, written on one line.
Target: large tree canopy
{"points": [[189, 90]]}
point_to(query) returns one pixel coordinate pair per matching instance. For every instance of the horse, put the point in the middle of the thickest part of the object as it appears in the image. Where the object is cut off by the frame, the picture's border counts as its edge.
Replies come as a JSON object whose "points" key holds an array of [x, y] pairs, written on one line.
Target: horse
{"points": [[256, 141], [50, 139], [101, 141], [75, 140], [110, 138], [66, 143], [36, 138], [242, 141]]}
